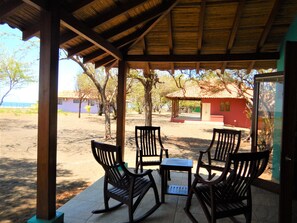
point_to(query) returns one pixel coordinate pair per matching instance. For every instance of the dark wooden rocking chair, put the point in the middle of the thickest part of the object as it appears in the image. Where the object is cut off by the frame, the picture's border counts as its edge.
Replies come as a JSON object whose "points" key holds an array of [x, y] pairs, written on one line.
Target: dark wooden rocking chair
{"points": [[149, 147], [122, 185], [224, 141], [230, 194]]}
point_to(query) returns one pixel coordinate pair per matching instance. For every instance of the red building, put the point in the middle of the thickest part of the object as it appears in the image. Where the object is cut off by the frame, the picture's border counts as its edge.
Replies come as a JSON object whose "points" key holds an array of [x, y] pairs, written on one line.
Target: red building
{"points": [[222, 105]]}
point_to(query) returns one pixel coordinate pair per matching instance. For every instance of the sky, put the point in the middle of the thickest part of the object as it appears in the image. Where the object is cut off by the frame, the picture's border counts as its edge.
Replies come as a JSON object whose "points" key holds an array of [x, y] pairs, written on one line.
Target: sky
{"points": [[11, 41]]}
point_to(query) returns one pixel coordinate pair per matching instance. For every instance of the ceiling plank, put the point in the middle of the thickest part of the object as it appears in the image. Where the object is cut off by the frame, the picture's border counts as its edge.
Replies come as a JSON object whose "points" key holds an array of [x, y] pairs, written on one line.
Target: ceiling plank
{"points": [[105, 17], [203, 57], [9, 7], [201, 24], [268, 25], [235, 25], [169, 6], [81, 29]]}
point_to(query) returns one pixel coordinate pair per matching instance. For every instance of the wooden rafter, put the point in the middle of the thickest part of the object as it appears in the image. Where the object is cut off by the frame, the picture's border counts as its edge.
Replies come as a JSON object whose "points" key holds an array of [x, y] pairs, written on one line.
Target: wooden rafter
{"points": [[203, 58], [81, 29], [201, 24], [119, 43], [251, 66], [197, 67], [151, 15], [104, 61], [144, 51], [223, 68], [267, 28], [235, 25], [103, 18]]}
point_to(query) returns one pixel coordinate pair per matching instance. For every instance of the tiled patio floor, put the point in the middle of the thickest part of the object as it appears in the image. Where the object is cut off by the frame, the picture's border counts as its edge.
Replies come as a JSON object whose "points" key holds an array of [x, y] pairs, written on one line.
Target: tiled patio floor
{"points": [[79, 209]]}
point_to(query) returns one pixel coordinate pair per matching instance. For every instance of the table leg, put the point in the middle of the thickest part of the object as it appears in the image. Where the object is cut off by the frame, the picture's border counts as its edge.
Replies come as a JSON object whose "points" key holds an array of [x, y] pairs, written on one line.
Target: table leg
{"points": [[189, 180], [162, 185]]}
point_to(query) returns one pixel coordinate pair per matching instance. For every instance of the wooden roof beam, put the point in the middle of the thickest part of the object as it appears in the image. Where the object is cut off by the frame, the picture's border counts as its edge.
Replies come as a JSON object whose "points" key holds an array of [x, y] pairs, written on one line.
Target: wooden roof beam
{"points": [[267, 28], [235, 25], [106, 60], [170, 4], [119, 43], [223, 68], [131, 23], [81, 29], [103, 18], [197, 67], [203, 58], [144, 50], [251, 66], [201, 24], [9, 7]]}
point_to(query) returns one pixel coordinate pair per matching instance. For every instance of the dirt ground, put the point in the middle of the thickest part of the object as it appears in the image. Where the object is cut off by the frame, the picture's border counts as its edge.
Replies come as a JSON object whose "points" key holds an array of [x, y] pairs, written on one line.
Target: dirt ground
{"points": [[76, 167]]}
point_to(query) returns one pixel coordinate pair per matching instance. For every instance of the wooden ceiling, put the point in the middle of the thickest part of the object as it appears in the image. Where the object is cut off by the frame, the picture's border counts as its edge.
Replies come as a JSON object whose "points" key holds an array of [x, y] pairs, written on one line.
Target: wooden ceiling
{"points": [[164, 34]]}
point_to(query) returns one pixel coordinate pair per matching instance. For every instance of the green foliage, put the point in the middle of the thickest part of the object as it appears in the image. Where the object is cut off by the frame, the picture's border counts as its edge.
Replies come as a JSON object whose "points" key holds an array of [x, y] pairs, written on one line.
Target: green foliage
{"points": [[14, 74]]}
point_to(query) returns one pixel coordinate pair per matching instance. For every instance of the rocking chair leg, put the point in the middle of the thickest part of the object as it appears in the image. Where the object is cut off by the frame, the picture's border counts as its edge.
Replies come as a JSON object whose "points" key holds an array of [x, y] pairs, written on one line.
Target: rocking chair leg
{"points": [[107, 209]]}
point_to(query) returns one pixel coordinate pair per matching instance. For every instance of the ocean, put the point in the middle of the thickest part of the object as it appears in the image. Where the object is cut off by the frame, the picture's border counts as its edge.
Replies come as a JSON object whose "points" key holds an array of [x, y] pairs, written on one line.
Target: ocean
{"points": [[17, 105]]}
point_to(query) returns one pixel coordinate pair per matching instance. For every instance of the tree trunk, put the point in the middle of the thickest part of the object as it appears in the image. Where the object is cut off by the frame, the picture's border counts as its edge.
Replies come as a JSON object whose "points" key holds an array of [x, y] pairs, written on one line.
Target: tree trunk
{"points": [[107, 120], [148, 104], [79, 108], [100, 111]]}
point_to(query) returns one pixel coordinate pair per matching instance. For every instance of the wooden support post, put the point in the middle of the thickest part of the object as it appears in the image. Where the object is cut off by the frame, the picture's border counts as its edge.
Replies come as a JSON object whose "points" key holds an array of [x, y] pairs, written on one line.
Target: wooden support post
{"points": [[47, 112], [288, 179], [121, 106]]}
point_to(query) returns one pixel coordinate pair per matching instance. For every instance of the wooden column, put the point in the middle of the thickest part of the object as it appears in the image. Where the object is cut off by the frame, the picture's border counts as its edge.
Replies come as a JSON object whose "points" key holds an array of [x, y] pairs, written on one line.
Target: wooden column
{"points": [[47, 112], [121, 105], [289, 139]]}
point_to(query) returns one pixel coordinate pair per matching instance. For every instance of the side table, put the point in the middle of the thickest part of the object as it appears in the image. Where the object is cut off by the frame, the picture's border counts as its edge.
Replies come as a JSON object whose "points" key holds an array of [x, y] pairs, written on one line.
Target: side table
{"points": [[175, 164]]}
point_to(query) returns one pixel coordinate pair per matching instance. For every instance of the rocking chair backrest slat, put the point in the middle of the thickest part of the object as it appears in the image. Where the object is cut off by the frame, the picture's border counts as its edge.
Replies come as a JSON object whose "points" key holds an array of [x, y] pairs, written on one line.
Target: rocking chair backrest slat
{"points": [[107, 156], [147, 138], [245, 167], [225, 141]]}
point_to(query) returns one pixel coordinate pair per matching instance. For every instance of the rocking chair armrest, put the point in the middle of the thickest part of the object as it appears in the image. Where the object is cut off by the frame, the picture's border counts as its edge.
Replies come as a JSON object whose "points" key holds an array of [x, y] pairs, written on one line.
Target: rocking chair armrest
{"points": [[145, 173], [202, 180], [166, 151]]}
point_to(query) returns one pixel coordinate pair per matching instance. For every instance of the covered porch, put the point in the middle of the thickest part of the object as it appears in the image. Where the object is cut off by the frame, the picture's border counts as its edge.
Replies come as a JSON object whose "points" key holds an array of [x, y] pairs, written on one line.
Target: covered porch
{"points": [[155, 34], [78, 209]]}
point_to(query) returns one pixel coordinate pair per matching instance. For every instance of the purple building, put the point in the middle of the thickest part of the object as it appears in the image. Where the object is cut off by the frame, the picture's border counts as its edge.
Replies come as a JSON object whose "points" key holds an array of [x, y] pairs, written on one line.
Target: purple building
{"points": [[68, 101]]}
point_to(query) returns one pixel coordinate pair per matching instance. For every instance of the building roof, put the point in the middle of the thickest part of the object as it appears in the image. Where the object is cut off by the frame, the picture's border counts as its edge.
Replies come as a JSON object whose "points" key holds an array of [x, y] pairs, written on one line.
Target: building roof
{"points": [[164, 34], [209, 91]]}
